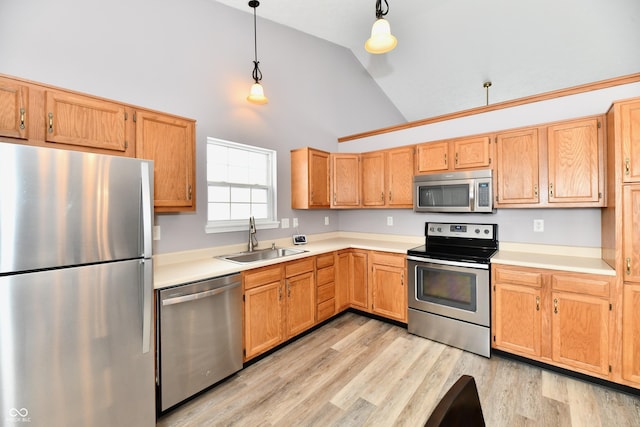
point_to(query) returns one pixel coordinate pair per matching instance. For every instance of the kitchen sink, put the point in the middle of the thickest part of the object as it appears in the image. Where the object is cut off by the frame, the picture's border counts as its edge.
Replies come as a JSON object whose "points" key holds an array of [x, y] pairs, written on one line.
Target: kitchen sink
{"points": [[260, 255]]}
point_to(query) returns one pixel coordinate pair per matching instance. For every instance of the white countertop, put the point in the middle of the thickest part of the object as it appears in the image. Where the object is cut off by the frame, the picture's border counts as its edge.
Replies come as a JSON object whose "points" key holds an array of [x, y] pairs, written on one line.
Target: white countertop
{"points": [[190, 266], [184, 267]]}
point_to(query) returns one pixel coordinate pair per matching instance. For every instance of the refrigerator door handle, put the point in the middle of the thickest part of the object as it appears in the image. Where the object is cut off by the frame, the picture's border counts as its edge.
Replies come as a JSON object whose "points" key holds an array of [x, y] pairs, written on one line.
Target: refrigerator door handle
{"points": [[147, 298], [146, 210]]}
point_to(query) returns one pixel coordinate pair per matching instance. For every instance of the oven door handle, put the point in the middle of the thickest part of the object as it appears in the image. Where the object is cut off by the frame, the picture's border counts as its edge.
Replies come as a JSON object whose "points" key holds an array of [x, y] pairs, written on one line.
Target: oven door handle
{"points": [[446, 262]]}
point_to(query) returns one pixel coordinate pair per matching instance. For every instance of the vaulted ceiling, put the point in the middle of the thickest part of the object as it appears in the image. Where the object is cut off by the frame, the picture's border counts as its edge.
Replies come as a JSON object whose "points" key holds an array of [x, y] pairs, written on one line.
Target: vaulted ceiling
{"points": [[447, 50]]}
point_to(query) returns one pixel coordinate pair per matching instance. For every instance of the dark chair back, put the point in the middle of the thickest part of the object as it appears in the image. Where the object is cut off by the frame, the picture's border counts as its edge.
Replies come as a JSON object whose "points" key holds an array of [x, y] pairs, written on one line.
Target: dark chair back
{"points": [[460, 406]]}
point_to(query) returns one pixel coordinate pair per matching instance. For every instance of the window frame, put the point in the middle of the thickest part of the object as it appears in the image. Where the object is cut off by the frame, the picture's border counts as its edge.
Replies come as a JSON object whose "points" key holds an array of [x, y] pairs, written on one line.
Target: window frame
{"points": [[224, 226]]}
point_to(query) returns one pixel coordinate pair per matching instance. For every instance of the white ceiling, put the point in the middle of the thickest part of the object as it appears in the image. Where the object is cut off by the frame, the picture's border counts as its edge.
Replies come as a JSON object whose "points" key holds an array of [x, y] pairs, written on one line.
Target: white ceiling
{"points": [[448, 49]]}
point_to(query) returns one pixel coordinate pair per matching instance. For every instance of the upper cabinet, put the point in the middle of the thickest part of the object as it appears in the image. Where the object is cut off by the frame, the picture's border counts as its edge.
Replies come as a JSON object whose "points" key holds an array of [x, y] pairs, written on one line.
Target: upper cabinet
{"points": [[457, 154], [36, 114], [630, 136], [560, 165], [373, 179], [309, 179], [170, 142], [14, 106], [84, 121], [345, 180], [399, 177]]}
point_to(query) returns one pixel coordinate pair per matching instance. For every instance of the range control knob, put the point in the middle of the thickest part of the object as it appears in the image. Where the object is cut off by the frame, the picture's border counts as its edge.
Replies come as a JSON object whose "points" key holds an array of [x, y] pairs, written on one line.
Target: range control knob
{"points": [[486, 231], [439, 229], [478, 231]]}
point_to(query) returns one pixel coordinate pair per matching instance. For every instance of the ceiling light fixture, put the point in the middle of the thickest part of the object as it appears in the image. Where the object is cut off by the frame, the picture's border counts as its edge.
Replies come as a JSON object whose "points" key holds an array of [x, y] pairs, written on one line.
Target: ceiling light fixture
{"points": [[256, 95], [381, 40]]}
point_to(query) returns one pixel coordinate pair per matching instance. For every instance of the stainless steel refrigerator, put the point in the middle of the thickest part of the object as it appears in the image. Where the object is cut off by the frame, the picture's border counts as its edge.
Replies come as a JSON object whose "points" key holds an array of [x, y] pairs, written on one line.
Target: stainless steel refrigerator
{"points": [[76, 289]]}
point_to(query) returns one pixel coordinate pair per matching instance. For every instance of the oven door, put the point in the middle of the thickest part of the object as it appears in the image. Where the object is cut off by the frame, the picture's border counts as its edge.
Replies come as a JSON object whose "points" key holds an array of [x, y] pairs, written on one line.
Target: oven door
{"points": [[457, 290]]}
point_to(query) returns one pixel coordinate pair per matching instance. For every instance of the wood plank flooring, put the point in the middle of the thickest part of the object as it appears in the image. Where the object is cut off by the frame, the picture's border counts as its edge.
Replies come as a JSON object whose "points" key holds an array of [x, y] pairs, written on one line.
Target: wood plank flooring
{"points": [[357, 371]]}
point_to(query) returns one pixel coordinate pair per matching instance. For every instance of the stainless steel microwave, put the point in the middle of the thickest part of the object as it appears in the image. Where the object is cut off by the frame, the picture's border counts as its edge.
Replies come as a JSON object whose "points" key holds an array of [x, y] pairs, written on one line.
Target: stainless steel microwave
{"points": [[454, 192]]}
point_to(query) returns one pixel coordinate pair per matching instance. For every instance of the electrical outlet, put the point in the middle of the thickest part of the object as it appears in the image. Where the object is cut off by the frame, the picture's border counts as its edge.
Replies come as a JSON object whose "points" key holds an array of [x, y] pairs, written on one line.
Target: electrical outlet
{"points": [[389, 220], [295, 222], [156, 232], [538, 225], [326, 220], [284, 223]]}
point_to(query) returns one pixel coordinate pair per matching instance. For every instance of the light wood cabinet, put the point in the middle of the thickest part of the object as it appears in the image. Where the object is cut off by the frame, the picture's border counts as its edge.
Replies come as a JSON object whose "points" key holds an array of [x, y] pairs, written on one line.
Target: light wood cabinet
{"points": [[343, 273], [170, 142], [458, 154], [517, 168], [556, 317], [14, 109], [575, 163], [325, 286], [373, 178], [631, 333], [630, 139], [309, 179], [387, 178], [631, 233], [345, 180], [83, 121], [517, 314], [388, 288], [352, 278], [263, 309], [300, 301]]}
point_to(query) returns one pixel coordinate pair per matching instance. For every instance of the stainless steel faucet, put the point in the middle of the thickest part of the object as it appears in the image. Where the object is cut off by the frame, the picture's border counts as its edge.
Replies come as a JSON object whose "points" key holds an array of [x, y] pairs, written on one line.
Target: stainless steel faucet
{"points": [[253, 240]]}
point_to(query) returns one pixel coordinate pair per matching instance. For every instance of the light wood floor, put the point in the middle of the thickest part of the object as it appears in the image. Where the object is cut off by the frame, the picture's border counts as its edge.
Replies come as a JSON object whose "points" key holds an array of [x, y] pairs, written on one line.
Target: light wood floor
{"points": [[356, 371]]}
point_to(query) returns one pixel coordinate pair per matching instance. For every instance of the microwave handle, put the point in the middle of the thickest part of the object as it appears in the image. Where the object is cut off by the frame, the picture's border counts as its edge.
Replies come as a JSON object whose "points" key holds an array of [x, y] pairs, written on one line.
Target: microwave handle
{"points": [[472, 196]]}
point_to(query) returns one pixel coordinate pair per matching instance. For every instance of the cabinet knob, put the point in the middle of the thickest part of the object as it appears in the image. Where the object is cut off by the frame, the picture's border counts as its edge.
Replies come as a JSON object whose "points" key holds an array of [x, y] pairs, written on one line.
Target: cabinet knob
{"points": [[50, 122], [22, 118], [535, 190], [538, 303], [629, 265], [555, 305], [551, 189], [627, 166]]}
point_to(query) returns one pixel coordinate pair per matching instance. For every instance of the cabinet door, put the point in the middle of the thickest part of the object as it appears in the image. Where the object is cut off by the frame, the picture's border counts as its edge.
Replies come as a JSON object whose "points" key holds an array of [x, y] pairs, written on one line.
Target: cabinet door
{"points": [[631, 233], [345, 180], [574, 153], [358, 282], [263, 324], [343, 274], [318, 179], [400, 164], [432, 157], [301, 303], [170, 142], [471, 153], [630, 134], [517, 165], [580, 331], [83, 121], [631, 333], [517, 319], [14, 106], [388, 292], [373, 178]]}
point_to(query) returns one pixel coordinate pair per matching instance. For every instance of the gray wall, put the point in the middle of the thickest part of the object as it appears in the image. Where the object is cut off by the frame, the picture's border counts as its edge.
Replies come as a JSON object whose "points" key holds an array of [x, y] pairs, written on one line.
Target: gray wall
{"points": [[194, 58]]}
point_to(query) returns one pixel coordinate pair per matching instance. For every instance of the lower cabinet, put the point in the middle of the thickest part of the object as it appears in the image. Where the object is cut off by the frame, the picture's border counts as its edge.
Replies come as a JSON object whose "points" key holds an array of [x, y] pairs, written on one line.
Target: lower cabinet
{"points": [[557, 317], [388, 287], [300, 298], [631, 333], [325, 286]]}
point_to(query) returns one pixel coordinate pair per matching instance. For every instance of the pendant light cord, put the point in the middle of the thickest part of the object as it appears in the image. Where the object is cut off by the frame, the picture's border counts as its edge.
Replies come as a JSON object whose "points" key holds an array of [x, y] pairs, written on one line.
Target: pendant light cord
{"points": [[257, 74], [379, 12]]}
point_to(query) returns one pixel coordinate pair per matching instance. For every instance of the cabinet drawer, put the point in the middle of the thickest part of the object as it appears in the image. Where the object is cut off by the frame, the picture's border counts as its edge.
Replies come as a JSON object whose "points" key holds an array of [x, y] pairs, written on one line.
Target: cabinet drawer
{"points": [[326, 292], [298, 267], [324, 260], [261, 276], [518, 277], [393, 260], [582, 283], [326, 275], [326, 309]]}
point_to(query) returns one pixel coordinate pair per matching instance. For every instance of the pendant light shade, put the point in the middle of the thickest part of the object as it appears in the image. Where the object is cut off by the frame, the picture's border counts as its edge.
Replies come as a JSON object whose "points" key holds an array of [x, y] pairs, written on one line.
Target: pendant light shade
{"points": [[256, 95], [381, 40]]}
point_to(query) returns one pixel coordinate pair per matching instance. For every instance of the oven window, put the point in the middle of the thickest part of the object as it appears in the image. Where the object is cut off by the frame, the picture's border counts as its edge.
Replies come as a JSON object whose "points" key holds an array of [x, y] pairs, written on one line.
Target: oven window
{"points": [[449, 288], [450, 195]]}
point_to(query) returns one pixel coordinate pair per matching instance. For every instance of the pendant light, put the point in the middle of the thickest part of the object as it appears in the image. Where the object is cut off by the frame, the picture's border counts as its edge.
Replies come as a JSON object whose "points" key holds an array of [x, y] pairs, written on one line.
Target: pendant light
{"points": [[256, 95], [381, 40]]}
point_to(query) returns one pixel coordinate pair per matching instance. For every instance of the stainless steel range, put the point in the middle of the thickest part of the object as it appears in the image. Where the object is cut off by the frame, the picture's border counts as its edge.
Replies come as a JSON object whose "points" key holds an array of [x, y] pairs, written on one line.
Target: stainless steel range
{"points": [[449, 285]]}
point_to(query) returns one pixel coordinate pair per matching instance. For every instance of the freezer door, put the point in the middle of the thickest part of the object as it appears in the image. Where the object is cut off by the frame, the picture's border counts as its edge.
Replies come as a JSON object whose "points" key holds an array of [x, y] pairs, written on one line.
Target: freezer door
{"points": [[64, 208], [76, 346]]}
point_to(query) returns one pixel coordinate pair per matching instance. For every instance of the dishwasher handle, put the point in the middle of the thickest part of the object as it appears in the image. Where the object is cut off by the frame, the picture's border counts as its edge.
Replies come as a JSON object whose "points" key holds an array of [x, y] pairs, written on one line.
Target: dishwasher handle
{"points": [[199, 295]]}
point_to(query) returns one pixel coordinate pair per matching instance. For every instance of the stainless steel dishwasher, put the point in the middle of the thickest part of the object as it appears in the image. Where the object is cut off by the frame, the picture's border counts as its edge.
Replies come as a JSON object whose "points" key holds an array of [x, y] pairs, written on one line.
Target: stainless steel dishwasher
{"points": [[199, 337]]}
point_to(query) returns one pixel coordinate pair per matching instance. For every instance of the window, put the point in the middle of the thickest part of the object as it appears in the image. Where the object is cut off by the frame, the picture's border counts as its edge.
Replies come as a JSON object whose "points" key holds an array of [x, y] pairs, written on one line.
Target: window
{"points": [[241, 182]]}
